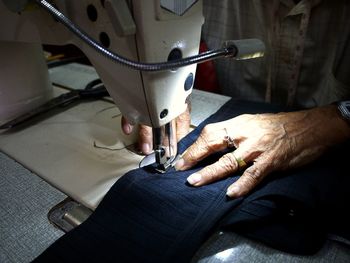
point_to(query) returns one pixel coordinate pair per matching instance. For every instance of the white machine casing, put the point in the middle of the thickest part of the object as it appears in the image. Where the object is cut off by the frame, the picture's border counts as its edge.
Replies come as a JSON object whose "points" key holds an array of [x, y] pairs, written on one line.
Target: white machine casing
{"points": [[140, 96]]}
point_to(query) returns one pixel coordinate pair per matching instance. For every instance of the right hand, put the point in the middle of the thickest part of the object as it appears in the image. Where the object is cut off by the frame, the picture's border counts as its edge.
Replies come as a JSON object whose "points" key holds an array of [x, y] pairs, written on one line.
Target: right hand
{"points": [[145, 137], [266, 142]]}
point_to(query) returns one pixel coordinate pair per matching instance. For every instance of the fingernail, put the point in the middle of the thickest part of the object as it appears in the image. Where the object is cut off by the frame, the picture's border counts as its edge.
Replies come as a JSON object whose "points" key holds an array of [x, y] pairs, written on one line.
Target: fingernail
{"points": [[194, 178], [179, 164], [233, 191], [146, 148], [127, 128]]}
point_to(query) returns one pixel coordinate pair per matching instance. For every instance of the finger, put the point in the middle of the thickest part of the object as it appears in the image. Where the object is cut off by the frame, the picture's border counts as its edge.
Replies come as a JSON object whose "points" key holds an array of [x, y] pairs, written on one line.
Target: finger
{"points": [[225, 166], [145, 139], [251, 177], [209, 141], [183, 123], [126, 126]]}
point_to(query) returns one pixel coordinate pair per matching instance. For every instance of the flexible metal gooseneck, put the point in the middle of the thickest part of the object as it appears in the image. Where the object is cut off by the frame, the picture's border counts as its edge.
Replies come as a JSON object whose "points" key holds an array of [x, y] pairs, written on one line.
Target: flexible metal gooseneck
{"points": [[229, 51]]}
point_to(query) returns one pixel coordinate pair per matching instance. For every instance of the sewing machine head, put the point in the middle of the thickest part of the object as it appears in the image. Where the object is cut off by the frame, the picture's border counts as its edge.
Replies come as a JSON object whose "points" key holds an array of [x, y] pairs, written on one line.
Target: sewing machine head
{"points": [[147, 31], [163, 34]]}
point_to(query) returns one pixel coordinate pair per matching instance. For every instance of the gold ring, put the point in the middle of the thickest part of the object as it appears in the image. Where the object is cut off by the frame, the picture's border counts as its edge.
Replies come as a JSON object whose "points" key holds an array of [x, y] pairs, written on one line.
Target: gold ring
{"points": [[240, 162], [229, 140]]}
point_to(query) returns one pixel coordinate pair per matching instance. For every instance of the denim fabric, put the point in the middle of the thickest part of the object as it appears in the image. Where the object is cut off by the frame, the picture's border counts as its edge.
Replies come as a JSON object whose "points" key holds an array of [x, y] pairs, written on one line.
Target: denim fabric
{"points": [[149, 217]]}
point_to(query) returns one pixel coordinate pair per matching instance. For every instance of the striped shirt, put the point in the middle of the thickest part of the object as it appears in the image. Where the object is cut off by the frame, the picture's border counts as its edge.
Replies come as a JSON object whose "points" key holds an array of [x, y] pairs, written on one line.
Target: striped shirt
{"points": [[307, 58]]}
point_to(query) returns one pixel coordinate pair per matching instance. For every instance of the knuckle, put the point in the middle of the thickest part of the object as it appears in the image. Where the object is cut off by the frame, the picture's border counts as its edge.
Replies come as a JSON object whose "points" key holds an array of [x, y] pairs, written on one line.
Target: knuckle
{"points": [[203, 142], [208, 139], [248, 181], [211, 173], [208, 129], [184, 117], [252, 176], [228, 162], [190, 156], [145, 131]]}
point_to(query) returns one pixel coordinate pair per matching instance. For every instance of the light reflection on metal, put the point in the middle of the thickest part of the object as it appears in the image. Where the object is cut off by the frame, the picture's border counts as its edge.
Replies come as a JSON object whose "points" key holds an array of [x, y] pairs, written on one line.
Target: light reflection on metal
{"points": [[165, 145]]}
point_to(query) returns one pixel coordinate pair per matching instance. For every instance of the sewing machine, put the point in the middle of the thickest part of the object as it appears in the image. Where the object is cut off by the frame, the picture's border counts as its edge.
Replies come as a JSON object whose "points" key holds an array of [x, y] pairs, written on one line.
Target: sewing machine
{"points": [[163, 34], [140, 30], [148, 31]]}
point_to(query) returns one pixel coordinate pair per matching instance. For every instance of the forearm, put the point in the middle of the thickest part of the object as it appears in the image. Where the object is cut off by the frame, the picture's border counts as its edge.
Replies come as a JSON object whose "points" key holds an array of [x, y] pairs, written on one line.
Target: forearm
{"points": [[318, 127]]}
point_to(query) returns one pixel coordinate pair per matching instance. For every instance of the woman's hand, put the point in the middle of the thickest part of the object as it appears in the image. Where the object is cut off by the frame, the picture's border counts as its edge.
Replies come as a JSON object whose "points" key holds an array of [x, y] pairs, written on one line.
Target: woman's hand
{"points": [[263, 143], [145, 137]]}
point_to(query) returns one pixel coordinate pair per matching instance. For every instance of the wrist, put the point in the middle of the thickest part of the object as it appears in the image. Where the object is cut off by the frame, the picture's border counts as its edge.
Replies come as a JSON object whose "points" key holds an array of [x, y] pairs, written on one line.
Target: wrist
{"points": [[344, 109], [341, 121]]}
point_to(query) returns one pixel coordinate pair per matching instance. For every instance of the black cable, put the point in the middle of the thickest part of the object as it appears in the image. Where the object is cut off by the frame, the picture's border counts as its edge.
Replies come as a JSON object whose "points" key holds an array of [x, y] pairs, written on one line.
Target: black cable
{"points": [[203, 57]]}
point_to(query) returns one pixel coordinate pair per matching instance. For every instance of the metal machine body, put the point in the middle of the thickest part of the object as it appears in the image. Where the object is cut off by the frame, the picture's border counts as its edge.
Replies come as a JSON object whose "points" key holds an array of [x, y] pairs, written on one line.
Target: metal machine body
{"points": [[147, 31]]}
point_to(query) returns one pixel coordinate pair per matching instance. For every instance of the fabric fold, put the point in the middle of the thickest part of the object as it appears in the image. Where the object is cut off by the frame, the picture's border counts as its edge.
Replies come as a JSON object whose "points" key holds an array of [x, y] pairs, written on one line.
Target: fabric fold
{"points": [[150, 217]]}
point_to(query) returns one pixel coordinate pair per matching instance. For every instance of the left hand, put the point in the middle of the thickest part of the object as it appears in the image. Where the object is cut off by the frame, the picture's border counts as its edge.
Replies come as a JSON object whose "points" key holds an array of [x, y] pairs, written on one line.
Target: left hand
{"points": [[266, 142], [145, 136]]}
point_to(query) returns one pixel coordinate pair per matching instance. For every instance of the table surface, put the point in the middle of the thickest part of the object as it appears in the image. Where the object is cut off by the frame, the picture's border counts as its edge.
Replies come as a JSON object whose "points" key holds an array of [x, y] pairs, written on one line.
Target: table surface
{"points": [[62, 146], [82, 151]]}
